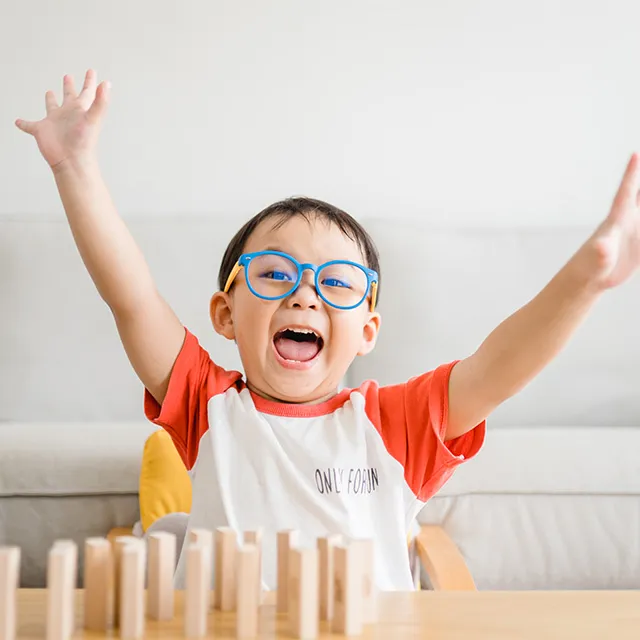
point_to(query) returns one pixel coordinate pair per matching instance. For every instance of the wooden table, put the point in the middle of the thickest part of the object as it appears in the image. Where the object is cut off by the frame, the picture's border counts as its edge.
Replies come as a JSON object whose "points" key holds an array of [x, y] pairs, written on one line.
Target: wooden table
{"points": [[436, 615]]}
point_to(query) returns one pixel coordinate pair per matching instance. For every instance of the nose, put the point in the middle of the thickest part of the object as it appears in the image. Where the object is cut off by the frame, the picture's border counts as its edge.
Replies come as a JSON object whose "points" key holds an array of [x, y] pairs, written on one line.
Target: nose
{"points": [[305, 296]]}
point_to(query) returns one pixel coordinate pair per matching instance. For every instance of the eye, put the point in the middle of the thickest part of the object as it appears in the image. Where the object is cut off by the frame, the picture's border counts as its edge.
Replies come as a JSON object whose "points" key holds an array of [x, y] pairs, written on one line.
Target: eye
{"points": [[276, 275], [335, 282]]}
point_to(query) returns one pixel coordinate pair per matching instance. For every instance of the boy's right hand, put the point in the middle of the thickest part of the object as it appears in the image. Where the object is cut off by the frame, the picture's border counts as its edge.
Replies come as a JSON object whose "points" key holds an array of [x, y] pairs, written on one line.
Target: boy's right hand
{"points": [[69, 132]]}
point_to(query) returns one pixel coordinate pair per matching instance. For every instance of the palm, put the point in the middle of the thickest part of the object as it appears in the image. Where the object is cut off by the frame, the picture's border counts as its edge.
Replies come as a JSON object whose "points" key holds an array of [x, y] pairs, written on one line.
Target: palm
{"points": [[70, 129]]}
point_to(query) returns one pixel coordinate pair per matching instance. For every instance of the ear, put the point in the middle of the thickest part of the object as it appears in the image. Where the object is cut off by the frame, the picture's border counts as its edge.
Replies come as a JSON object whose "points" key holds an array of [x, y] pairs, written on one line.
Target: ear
{"points": [[370, 333], [220, 311]]}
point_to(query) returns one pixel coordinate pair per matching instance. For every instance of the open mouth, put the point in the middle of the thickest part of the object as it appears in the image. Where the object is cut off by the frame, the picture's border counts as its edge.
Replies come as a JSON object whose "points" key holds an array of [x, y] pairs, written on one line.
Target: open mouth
{"points": [[298, 345]]}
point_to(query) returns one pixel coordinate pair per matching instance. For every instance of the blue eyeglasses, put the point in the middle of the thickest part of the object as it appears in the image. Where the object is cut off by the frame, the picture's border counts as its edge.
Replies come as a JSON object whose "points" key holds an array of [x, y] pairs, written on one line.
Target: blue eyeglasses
{"points": [[273, 275]]}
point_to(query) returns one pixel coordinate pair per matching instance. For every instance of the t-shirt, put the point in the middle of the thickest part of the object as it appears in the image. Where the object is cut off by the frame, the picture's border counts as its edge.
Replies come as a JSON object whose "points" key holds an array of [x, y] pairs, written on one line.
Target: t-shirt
{"points": [[361, 464]]}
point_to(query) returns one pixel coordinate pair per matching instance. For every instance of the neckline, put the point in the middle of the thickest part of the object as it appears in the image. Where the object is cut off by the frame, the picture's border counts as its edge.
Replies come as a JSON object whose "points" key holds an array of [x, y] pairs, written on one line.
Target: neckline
{"points": [[289, 410]]}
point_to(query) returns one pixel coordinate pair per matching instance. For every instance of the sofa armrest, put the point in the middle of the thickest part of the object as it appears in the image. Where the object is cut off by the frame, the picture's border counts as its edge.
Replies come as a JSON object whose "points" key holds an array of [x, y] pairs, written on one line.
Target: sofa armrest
{"points": [[442, 560]]}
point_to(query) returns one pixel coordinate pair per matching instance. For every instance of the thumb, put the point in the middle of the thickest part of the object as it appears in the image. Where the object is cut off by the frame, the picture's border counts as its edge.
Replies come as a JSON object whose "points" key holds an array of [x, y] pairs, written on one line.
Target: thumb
{"points": [[26, 126], [606, 244]]}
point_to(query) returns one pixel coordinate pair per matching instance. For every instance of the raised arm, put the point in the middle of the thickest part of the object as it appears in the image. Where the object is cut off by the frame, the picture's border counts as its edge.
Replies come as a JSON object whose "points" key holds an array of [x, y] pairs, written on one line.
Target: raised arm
{"points": [[519, 348], [67, 137]]}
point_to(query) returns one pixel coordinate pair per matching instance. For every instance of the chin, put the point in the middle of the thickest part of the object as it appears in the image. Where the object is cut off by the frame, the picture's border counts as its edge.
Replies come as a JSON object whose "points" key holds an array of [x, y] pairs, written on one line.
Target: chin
{"points": [[295, 383], [295, 393], [297, 387]]}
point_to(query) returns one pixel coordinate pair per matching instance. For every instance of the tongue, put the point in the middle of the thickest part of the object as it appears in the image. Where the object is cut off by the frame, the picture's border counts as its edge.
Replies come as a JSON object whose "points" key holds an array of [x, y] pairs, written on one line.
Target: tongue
{"points": [[299, 351]]}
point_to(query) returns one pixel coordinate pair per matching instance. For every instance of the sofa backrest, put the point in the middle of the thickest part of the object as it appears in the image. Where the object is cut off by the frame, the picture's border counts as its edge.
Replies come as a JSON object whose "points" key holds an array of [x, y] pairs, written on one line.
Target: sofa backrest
{"points": [[444, 290], [60, 354]]}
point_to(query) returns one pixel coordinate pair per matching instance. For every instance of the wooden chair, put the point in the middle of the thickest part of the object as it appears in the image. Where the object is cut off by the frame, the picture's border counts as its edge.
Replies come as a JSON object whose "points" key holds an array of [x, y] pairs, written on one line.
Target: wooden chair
{"points": [[438, 554], [442, 560]]}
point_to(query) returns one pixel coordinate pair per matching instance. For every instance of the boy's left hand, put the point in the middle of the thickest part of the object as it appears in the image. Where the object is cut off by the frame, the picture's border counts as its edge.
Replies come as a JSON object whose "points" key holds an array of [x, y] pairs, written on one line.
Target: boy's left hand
{"points": [[612, 253]]}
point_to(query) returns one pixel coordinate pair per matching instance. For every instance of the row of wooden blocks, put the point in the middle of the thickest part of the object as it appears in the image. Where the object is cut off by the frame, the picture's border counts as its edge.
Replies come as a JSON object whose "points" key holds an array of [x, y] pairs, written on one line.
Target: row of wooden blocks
{"points": [[332, 582]]}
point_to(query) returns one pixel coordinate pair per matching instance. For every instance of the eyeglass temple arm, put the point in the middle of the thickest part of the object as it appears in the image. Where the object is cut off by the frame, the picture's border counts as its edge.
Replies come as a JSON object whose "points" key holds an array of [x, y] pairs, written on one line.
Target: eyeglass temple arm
{"points": [[374, 295], [232, 275]]}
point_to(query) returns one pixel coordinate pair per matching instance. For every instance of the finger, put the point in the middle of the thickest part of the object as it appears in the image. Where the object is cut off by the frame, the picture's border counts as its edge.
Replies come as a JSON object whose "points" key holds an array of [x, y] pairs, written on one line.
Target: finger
{"points": [[628, 191], [89, 80], [50, 101], [68, 88], [98, 108], [26, 126], [88, 93]]}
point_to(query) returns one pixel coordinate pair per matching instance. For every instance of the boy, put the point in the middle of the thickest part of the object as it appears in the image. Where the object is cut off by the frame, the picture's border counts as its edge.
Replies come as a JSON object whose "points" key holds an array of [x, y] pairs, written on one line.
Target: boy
{"points": [[283, 448]]}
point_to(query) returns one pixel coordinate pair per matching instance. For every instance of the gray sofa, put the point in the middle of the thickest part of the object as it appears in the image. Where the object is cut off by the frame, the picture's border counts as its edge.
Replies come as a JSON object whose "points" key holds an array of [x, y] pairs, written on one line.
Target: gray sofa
{"points": [[551, 502]]}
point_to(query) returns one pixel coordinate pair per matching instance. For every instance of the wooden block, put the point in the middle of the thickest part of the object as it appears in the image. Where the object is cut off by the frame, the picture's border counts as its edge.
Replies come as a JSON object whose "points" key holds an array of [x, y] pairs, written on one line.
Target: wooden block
{"points": [[60, 591], [255, 538], [72, 549], [206, 537], [198, 588], [303, 603], [161, 564], [325, 574], [347, 594], [201, 536], [118, 545], [9, 577], [98, 584], [248, 592], [132, 573], [286, 540], [369, 592], [225, 569]]}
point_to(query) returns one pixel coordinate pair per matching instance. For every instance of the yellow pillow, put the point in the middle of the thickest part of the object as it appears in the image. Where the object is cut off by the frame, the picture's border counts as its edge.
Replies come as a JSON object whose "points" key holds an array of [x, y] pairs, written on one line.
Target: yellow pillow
{"points": [[165, 485]]}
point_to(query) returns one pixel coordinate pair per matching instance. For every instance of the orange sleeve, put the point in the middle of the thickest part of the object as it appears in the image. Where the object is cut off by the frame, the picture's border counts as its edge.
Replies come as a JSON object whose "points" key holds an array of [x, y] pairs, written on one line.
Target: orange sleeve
{"points": [[194, 380], [412, 420]]}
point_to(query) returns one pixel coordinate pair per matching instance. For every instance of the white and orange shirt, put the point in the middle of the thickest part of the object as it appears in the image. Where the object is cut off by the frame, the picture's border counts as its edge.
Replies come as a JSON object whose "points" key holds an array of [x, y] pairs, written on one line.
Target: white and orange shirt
{"points": [[362, 464]]}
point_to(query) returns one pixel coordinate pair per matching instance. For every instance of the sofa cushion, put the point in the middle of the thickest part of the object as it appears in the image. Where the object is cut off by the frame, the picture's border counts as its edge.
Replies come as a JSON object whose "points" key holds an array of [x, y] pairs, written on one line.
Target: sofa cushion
{"points": [[443, 291], [66, 459], [547, 508], [549, 460], [165, 484]]}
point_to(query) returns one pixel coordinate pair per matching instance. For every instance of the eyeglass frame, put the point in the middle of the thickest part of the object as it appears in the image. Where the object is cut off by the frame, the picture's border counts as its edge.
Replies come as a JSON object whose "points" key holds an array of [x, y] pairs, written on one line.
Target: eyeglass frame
{"points": [[245, 260]]}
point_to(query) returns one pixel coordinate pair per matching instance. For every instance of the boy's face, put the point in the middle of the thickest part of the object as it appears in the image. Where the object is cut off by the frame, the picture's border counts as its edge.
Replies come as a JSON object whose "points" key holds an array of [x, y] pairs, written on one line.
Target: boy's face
{"points": [[275, 366]]}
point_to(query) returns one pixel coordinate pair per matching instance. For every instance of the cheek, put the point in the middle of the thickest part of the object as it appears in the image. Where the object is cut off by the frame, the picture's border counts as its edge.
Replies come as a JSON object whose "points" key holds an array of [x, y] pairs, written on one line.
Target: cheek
{"points": [[252, 318], [347, 333], [245, 305]]}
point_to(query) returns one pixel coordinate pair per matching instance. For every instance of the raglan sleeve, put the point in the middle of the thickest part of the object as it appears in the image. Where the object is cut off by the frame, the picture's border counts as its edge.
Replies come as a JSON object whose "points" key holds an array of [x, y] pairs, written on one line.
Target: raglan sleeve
{"points": [[412, 420], [194, 380]]}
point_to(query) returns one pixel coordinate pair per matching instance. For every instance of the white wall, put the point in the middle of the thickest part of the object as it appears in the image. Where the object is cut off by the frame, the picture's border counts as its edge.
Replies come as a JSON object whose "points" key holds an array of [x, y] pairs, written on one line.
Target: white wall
{"points": [[460, 112]]}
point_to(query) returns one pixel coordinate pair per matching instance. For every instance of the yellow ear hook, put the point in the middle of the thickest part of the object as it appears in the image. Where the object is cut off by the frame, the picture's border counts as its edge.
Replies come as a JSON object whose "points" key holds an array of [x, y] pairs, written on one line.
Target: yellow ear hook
{"points": [[374, 295], [232, 275]]}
